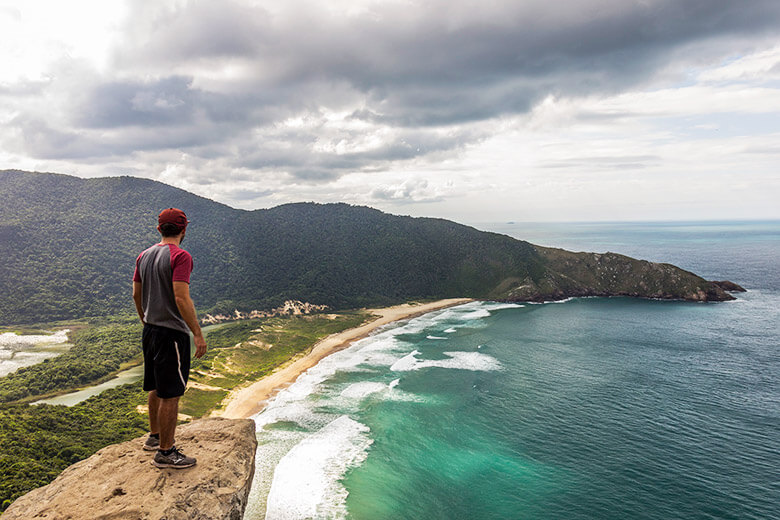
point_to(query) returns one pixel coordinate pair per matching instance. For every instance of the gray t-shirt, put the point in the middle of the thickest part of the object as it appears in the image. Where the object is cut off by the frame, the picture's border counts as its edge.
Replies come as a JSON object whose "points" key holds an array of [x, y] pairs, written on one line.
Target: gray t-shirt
{"points": [[156, 269]]}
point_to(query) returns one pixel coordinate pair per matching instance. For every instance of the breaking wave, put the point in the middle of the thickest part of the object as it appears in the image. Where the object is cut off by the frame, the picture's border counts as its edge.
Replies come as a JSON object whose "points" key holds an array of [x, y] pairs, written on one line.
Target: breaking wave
{"points": [[455, 360], [306, 480]]}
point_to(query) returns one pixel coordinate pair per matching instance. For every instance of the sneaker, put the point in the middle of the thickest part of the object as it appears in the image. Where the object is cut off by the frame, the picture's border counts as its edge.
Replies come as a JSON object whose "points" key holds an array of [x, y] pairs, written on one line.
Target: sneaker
{"points": [[175, 459], [152, 443]]}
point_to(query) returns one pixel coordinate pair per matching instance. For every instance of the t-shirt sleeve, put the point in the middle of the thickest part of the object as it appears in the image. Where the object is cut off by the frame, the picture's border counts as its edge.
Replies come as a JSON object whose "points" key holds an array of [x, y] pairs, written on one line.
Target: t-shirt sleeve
{"points": [[181, 262], [136, 273]]}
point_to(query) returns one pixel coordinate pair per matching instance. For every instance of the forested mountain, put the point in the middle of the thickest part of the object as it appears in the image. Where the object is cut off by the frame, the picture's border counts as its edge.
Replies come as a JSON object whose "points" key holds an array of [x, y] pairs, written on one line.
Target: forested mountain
{"points": [[68, 247]]}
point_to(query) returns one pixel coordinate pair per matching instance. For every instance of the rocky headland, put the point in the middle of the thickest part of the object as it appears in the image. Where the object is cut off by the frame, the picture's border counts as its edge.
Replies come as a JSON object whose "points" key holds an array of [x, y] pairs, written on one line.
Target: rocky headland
{"points": [[119, 481], [567, 274]]}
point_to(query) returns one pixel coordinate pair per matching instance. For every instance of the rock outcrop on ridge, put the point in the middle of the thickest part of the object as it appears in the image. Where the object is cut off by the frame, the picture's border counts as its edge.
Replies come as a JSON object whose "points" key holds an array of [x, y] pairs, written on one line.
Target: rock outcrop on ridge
{"points": [[568, 274], [119, 481]]}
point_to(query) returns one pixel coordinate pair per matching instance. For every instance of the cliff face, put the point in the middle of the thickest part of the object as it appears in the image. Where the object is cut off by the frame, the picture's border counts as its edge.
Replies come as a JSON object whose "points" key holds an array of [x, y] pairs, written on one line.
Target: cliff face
{"points": [[568, 274], [119, 481]]}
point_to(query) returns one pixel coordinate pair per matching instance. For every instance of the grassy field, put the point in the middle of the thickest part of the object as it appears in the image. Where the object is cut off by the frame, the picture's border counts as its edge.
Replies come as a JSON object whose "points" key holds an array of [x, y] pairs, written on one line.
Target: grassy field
{"points": [[246, 351]]}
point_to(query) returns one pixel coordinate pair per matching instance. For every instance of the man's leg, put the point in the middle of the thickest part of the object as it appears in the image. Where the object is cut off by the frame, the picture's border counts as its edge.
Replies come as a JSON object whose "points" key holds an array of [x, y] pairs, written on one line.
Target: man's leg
{"points": [[167, 456], [154, 409], [166, 419]]}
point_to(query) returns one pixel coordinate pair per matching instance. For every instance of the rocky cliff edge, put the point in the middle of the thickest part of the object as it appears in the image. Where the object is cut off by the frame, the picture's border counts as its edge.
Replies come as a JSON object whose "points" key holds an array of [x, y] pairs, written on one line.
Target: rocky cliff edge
{"points": [[119, 481], [568, 274]]}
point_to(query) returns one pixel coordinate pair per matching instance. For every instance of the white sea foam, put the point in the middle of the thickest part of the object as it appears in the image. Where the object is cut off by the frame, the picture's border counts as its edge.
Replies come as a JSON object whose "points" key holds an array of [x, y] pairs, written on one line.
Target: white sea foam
{"points": [[306, 482], [479, 310], [456, 360], [556, 301], [394, 383], [284, 410], [414, 326], [363, 389], [475, 315], [434, 337], [498, 306], [290, 404], [407, 362], [374, 351], [271, 447], [450, 330]]}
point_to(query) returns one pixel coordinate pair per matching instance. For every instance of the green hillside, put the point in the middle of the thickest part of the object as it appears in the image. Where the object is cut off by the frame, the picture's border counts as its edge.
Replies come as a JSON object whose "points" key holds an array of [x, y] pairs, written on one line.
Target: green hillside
{"points": [[68, 247]]}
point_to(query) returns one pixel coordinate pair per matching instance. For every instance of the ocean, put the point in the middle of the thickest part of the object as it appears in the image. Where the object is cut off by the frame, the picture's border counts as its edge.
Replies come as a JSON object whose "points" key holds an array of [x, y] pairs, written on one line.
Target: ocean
{"points": [[589, 408]]}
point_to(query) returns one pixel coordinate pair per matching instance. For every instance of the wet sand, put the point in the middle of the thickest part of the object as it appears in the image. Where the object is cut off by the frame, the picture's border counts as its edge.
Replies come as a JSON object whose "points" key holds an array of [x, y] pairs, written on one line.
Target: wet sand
{"points": [[248, 401]]}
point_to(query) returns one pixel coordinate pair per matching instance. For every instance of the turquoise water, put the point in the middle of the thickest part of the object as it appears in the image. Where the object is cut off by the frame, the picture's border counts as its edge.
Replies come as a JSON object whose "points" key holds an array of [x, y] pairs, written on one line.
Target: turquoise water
{"points": [[591, 408]]}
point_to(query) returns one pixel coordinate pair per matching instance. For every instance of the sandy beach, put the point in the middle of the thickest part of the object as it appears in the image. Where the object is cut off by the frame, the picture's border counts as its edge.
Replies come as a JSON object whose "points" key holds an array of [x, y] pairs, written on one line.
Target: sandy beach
{"points": [[246, 402]]}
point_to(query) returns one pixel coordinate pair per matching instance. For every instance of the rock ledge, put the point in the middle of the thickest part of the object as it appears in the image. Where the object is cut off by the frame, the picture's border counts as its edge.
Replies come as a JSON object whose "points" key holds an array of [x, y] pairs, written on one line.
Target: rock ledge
{"points": [[119, 481]]}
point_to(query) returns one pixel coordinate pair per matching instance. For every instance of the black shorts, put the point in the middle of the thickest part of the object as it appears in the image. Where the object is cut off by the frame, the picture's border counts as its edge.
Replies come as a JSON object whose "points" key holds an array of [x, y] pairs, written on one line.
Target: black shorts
{"points": [[166, 360]]}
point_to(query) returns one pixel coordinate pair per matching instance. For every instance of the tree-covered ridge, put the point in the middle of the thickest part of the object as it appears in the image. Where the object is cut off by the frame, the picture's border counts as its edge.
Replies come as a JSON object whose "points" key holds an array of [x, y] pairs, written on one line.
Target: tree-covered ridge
{"points": [[69, 246], [38, 442]]}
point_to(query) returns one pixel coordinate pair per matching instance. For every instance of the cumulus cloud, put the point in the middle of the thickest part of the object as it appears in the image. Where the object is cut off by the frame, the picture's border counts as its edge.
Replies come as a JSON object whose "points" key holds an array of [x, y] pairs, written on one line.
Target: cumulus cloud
{"points": [[416, 190]]}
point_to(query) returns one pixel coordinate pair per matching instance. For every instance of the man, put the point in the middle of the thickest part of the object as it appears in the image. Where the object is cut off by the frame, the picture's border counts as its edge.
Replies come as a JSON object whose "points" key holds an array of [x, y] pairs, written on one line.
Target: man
{"points": [[161, 292]]}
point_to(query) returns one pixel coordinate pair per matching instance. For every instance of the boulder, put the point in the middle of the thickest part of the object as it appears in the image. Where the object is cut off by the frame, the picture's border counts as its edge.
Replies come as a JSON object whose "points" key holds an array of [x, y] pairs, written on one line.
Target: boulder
{"points": [[119, 481]]}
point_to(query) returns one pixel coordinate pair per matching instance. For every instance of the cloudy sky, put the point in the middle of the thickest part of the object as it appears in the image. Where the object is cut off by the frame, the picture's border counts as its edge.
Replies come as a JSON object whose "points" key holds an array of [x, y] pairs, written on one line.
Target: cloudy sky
{"points": [[490, 110]]}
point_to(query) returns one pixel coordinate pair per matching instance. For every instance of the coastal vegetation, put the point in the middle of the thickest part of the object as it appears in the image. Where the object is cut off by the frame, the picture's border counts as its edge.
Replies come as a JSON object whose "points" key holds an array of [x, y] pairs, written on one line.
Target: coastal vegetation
{"points": [[97, 352], [38, 441]]}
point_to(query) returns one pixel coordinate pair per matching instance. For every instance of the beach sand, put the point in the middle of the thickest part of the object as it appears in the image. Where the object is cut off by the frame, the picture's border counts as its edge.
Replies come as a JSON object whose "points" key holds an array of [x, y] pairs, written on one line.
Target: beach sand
{"points": [[248, 401]]}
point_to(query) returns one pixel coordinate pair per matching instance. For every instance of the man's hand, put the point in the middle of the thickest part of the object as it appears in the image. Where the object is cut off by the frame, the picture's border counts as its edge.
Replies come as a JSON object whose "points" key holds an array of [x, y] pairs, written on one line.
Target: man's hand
{"points": [[200, 346]]}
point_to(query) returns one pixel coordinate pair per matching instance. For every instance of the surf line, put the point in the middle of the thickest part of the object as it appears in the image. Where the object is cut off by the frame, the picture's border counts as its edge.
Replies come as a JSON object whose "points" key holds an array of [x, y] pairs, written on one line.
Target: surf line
{"points": [[250, 400]]}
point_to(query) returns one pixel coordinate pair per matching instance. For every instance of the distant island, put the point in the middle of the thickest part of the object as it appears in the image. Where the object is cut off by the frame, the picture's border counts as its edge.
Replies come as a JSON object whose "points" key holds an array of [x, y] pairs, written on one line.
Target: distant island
{"points": [[68, 245]]}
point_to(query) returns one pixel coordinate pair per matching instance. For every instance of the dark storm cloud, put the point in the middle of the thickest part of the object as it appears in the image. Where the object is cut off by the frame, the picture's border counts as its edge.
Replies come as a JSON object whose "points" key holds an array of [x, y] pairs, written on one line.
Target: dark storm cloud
{"points": [[283, 152], [193, 30], [445, 62], [168, 101], [159, 103], [411, 68]]}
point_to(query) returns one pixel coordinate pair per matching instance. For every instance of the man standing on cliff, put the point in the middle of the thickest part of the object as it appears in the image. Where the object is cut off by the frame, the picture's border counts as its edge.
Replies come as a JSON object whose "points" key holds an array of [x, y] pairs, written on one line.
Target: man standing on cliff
{"points": [[161, 291]]}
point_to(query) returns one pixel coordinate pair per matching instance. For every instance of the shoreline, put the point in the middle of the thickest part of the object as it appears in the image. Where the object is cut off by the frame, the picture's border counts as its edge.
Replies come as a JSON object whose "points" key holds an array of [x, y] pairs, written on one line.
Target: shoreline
{"points": [[245, 402]]}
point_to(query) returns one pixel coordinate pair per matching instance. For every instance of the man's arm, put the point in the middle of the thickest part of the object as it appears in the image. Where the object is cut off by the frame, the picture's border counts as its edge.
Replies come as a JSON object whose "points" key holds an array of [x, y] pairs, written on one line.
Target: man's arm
{"points": [[181, 291], [137, 297]]}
